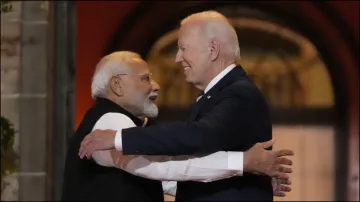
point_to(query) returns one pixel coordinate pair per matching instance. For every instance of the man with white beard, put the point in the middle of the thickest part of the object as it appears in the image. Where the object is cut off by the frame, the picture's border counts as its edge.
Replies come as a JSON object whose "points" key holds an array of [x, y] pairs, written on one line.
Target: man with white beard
{"points": [[125, 95]]}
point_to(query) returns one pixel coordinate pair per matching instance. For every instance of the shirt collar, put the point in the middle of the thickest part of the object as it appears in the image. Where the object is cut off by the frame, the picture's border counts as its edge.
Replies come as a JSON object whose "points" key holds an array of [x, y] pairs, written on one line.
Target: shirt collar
{"points": [[218, 77]]}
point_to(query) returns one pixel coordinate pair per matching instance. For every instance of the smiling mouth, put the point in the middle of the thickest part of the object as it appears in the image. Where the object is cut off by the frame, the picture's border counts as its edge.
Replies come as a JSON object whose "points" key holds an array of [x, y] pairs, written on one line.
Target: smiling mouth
{"points": [[153, 97], [186, 68]]}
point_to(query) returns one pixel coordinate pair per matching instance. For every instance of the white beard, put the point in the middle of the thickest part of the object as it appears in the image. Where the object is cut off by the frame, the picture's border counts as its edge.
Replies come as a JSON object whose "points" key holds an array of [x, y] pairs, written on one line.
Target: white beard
{"points": [[150, 109]]}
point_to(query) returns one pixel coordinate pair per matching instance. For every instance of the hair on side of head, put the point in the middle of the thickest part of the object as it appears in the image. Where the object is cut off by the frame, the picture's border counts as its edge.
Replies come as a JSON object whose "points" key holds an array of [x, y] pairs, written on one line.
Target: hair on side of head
{"points": [[109, 66]]}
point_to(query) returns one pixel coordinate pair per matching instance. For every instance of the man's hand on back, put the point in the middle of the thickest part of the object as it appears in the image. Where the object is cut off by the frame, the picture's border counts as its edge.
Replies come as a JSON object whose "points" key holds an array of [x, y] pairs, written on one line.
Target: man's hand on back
{"points": [[280, 186], [97, 140], [258, 160]]}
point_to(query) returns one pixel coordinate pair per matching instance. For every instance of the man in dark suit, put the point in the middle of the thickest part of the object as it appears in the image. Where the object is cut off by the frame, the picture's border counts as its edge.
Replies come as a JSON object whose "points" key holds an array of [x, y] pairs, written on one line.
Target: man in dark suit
{"points": [[231, 115]]}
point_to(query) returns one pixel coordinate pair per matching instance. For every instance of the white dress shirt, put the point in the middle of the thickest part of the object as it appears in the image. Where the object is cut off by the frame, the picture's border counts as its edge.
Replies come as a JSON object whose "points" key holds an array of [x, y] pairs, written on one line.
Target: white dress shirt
{"points": [[218, 77], [212, 83], [215, 166]]}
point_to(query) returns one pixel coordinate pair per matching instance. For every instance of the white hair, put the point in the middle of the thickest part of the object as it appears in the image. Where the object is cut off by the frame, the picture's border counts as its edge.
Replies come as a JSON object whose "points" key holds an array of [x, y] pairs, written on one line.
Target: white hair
{"points": [[109, 66], [217, 25]]}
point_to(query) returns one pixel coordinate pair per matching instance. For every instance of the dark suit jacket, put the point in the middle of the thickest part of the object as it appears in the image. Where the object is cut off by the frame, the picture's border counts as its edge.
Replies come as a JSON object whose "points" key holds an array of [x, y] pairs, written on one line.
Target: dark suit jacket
{"points": [[232, 116], [84, 180]]}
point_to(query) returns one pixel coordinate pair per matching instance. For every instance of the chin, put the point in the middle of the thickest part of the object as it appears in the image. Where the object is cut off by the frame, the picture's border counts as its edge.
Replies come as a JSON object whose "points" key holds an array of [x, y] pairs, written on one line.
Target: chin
{"points": [[151, 114], [151, 111]]}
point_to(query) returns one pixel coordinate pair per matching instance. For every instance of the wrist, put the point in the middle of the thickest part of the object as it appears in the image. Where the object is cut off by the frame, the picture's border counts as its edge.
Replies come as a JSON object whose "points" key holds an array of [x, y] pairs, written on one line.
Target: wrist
{"points": [[246, 162]]}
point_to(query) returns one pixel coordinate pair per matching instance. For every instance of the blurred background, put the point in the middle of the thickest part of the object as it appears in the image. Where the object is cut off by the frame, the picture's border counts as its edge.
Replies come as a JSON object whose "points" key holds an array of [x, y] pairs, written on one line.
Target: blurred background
{"points": [[303, 55]]}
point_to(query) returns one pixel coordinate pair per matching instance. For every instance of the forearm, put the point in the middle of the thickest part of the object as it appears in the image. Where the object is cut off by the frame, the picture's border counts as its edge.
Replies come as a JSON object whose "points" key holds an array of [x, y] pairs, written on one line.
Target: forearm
{"points": [[209, 168], [180, 139], [184, 139]]}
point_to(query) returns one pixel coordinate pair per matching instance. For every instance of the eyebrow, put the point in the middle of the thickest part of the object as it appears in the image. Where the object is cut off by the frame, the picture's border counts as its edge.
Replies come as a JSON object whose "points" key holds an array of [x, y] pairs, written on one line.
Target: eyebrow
{"points": [[182, 46]]}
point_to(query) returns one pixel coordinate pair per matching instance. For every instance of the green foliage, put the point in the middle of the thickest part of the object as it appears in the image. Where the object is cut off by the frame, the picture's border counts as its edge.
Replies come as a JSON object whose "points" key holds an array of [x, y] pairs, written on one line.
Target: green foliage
{"points": [[8, 155], [6, 6]]}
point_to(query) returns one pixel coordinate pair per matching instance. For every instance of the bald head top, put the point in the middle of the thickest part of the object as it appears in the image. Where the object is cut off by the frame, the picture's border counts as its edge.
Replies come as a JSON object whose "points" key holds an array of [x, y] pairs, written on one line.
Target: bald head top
{"points": [[205, 16], [216, 26]]}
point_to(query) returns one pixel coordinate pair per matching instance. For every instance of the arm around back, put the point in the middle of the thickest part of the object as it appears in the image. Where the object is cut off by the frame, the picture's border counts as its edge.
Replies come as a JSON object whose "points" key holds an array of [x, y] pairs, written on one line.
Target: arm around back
{"points": [[220, 129]]}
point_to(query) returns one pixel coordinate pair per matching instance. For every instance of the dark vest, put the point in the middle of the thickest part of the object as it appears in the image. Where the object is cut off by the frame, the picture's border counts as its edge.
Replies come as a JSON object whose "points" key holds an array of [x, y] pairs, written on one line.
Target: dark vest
{"points": [[84, 180]]}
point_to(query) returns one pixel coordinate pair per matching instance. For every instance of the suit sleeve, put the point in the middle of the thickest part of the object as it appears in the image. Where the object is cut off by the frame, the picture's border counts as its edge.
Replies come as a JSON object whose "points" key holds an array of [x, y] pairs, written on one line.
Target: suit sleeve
{"points": [[213, 132]]}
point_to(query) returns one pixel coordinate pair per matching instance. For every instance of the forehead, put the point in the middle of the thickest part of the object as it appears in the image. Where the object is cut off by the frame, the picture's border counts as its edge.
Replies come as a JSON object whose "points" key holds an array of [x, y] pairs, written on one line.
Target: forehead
{"points": [[139, 66], [189, 33]]}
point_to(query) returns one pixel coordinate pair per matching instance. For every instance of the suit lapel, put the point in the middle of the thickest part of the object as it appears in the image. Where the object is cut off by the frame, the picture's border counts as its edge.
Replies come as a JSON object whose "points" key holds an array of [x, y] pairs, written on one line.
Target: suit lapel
{"points": [[195, 108], [206, 98]]}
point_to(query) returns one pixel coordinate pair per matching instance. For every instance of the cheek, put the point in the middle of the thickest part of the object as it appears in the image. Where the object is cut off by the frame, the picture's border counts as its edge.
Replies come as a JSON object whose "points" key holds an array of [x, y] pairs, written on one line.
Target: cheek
{"points": [[192, 61], [186, 58], [198, 64], [147, 91], [143, 91], [127, 92]]}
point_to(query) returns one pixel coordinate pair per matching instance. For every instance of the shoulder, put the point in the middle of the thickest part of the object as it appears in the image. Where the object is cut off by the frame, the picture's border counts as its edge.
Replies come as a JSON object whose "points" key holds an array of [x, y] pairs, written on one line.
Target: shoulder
{"points": [[114, 115], [242, 88], [114, 121]]}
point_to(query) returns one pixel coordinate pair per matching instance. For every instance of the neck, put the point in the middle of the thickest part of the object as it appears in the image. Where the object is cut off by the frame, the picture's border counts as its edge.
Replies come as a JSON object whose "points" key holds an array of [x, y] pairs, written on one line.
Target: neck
{"points": [[216, 68]]}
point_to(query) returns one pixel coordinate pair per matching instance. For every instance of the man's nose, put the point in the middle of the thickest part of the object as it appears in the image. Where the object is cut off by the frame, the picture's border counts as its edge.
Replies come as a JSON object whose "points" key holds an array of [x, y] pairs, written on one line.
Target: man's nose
{"points": [[155, 86], [178, 57]]}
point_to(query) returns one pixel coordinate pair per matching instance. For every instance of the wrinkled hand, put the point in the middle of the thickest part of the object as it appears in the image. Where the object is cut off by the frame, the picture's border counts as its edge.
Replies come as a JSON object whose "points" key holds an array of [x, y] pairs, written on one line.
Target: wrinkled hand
{"points": [[279, 186], [97, 140], [268, 162]]}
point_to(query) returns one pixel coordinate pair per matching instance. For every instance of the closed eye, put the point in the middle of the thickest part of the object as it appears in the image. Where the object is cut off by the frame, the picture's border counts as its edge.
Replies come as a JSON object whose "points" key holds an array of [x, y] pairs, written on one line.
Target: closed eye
{"points": [[181, 48], [146, 78]]}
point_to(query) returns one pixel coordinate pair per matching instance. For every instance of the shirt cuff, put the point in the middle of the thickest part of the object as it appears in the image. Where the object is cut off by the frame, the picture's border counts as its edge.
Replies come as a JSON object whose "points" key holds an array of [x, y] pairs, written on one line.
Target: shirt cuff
{"points": [[118, 140], [236, 162]]}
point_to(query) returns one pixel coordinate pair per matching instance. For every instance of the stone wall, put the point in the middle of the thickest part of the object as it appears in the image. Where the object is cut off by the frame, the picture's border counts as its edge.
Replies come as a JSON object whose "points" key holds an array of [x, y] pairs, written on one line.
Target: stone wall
{"points": [[10, 70], [24, 94]]}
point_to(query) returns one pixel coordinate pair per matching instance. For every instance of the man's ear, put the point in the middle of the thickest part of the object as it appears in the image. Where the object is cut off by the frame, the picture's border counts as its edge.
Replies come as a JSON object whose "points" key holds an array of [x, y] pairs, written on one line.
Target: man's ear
{"points": [[115, 86], [214, 49]]}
